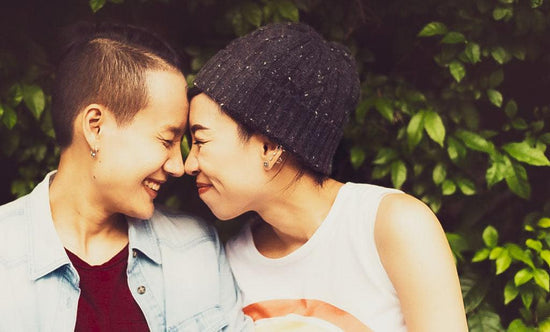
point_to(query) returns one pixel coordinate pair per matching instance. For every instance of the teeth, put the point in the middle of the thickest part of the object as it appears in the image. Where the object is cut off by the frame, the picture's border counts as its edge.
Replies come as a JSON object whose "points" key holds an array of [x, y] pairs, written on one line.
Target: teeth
{"points": [[152, 185]]}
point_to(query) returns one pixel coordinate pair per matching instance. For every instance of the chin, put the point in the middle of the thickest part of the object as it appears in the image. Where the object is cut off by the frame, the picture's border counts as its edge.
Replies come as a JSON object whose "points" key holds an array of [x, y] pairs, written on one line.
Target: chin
{"points": [[144, 213]]}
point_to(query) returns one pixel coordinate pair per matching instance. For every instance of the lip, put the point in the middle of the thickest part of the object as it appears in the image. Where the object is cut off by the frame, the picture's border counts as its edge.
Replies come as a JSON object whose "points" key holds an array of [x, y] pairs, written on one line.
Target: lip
{"points": [[203, 187], [152, 192]]}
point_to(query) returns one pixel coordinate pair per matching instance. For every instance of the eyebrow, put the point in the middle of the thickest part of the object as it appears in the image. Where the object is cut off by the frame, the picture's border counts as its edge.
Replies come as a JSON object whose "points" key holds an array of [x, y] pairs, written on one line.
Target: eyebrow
{"points": [[177, 131], [196, 127]]}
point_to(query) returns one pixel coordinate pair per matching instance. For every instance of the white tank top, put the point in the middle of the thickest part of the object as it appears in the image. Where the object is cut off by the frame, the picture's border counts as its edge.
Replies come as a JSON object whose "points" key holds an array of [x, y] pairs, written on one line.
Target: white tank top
{"points": [[334, 282]]}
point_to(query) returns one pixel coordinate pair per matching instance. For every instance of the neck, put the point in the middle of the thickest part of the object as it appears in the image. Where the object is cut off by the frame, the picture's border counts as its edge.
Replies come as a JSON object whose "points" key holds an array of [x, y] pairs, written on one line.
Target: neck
{"points": [[293, 216], [84, 226]]}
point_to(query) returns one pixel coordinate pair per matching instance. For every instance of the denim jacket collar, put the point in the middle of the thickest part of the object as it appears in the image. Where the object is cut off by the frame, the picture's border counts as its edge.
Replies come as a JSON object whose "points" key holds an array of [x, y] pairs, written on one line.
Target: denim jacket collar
{"points": [[46, 250]]}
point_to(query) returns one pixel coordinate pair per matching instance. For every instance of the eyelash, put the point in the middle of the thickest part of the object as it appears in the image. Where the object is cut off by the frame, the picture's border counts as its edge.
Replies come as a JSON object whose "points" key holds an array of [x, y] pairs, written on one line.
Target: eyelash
{"points": [[197, 142], [167, 142]]}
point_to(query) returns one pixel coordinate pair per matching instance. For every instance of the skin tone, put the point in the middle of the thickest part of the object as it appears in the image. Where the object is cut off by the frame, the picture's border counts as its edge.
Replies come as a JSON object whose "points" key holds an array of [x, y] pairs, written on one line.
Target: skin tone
{"points": [[412, 246], [90, 196]]}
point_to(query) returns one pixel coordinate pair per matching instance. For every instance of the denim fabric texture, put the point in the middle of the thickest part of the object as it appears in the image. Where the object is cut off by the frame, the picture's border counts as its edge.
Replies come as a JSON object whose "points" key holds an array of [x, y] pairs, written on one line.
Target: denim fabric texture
{"points": [[177, 272]]}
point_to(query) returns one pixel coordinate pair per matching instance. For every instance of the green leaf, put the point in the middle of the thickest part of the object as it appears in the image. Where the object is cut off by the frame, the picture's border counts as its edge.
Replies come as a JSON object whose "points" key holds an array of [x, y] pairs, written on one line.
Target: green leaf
{"points": [[96, 5], [415, 129], [527, 298], [379, 172], [184, 146], [511, 109], [473, 53], [357, 157], [10, 117], [457, 243], [453, 37], [536, 3], [516, 179], [288, 10], [495, 97], [34, 99], [15, 95], [534, 244], [439, 173], [448, 187], [474, 291], [432, 29], [542, 279], [458, 70], [495, 173], [490, 236], [500, 55], [466, 186], [523, 276], [475, 141], [1, 110], [495, 253], [519, 124], [510, 292], [385, 108], [484, 321], [524, 152], [384, 156], [500, 13], [252, 13], [496, 78], [434, 127], [455, 149], [517, 325], [545, 255], [544, 222], [362, 109], [503, 262], [481, 255], [520, 255], [398, 173]]}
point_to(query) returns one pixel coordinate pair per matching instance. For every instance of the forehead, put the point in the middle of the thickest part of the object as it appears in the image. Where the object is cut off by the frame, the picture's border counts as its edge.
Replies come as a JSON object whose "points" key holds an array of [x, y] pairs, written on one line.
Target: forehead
{"points": [[205, 112], [167, 100]]}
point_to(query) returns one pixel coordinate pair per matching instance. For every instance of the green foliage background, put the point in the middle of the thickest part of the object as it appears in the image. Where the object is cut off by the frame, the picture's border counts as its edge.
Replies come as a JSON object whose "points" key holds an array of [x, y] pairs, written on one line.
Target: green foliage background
{"points": [[454, 110]]}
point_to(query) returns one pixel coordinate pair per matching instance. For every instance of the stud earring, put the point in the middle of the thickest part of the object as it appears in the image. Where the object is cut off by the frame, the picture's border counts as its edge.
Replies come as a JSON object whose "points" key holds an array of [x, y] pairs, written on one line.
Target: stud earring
{"points": [[93, 153], [266, 164]]}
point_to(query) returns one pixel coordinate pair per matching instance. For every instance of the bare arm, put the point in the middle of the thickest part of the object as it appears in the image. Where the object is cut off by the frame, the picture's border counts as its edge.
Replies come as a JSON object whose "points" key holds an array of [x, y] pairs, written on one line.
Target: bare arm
{"points": [[417, 257]]}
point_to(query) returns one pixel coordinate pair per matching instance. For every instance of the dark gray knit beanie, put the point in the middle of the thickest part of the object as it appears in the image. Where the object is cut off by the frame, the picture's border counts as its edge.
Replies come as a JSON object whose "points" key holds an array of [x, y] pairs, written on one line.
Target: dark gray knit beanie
{"points": [[286, 82]]}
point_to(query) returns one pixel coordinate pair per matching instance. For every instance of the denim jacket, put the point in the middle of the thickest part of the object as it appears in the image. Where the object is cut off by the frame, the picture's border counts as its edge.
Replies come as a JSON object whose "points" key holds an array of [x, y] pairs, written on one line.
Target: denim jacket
{"points": [[177, 272]]}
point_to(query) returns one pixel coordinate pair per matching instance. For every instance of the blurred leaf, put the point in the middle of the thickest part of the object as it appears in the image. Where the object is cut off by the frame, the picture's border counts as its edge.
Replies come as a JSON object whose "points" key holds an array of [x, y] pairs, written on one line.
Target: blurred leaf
{"points": [[534, 244], [96, 5], [448, 187], [542, 279], [288, 10], [525, 153], [475, 141], [527, 298], [481, 255], [510, 292], [432, 29], [500, 55], [357, 156], [457, 243], [453, 37], [15, 95], [503, 262], [517, 325], [516, 179], [495, 173], [523, 276], [385, 108], [379, 172], [496, 78], [466, 186], [434, 127], [500, 13], [34, 99], [252, 13], [415, 129], [484, 321], [10, 117], [455, 149], [457, 69], [536, 3], [384, 156], [490, 236], [473, 292], [495, 97], [544, 222], [398, 173], [439, 173], [511, 109], [545, 255], [473, 53]]}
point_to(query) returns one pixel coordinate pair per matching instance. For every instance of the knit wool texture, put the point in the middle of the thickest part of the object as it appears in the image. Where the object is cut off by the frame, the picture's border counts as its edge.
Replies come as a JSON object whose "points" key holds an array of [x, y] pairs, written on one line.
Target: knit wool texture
{"points": [[286, 82]]}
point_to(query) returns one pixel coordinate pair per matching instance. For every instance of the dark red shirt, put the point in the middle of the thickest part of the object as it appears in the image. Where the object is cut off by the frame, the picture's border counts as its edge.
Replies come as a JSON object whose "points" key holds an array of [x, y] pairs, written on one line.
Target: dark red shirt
{"points": [[105, 302]]}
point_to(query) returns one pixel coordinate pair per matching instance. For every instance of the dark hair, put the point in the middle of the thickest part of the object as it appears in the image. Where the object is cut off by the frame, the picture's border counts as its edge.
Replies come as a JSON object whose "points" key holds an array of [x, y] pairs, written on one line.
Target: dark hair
{"points": [[106, 64]]}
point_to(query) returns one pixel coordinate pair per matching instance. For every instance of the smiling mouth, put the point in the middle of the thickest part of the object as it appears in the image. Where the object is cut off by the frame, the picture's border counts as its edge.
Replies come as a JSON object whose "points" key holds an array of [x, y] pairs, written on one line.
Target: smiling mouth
{"points": [[152, 187], [203, 187]]}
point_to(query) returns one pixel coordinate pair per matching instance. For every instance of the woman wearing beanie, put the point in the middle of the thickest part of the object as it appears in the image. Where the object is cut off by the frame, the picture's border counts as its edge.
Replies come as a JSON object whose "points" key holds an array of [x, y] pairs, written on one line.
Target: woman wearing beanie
{"points": [[266, 117]]}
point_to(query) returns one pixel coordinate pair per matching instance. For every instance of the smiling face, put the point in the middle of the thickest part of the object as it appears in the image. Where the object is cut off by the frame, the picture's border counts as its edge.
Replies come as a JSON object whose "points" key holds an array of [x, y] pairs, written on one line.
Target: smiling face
{"points": [[135, 159], [229, 172]]}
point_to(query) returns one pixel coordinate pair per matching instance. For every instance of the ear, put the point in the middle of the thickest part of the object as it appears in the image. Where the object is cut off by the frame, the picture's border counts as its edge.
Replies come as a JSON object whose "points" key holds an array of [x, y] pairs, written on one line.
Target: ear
{"points": [[271, 154], [92, 120]]}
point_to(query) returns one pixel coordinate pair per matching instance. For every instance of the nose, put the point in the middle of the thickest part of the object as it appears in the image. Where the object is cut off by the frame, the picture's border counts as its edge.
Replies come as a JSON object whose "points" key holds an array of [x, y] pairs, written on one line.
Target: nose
{"points": [[192, 164], [174, 165]]}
